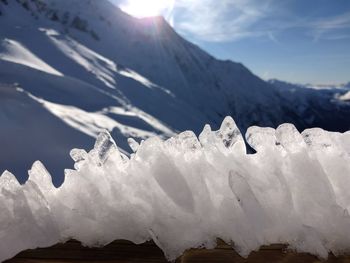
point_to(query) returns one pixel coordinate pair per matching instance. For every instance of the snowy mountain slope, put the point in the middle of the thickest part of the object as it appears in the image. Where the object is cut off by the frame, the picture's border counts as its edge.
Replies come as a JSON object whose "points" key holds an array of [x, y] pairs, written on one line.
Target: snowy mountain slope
{"points": [[323, 87], [154, 50], [345, 97], [31, 132], [16, 53], [91, 66], [325, 107], [78, 61]]}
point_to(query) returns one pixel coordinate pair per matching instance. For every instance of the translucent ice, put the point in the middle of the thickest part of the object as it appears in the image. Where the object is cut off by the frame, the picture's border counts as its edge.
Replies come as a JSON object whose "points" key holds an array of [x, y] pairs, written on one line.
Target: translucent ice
{"points": [[186, 192]]}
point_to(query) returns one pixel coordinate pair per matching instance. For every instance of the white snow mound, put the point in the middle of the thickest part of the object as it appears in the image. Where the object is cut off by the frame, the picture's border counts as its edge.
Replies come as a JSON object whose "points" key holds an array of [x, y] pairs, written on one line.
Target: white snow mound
{"points": [[186, 191]]}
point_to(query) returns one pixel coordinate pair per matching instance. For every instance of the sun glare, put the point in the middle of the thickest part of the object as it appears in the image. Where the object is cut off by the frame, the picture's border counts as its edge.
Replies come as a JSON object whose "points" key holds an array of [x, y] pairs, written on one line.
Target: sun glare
{"points": [[147, 8]]}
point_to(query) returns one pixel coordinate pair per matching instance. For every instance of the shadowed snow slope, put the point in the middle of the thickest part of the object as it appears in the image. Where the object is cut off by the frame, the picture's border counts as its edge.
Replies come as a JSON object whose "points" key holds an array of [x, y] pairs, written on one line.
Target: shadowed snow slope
{"points": [[186, 191], [16, 53], [89, 66]]}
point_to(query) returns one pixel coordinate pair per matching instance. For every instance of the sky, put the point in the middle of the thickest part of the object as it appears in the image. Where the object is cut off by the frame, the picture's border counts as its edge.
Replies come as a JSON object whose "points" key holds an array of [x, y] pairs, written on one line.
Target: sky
{"points": [[301, 41]]}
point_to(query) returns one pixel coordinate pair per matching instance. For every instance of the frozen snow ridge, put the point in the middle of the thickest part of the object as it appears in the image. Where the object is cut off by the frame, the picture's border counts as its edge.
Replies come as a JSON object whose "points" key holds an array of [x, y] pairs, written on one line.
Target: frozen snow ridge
{"points": [[186, 191]]}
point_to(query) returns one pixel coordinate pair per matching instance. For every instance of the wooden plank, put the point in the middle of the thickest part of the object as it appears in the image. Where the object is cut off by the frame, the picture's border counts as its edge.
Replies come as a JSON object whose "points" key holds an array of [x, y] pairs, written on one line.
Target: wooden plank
{"points": [[73, 251], [127, 252], [262, 256]]}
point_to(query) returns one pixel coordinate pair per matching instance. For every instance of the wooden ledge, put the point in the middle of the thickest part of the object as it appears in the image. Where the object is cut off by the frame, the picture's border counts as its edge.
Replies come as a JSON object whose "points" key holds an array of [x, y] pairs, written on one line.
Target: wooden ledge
{"points": [[127, 252]]}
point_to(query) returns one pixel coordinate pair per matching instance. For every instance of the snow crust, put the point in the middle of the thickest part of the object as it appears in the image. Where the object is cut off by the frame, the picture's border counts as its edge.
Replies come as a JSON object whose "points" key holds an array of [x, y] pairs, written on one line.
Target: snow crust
{"points": [[185, 192]]}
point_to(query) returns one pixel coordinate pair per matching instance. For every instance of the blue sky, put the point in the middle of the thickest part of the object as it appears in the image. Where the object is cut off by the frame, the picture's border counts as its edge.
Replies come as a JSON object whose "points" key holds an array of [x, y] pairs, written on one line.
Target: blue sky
{"points": [[305, 41]]}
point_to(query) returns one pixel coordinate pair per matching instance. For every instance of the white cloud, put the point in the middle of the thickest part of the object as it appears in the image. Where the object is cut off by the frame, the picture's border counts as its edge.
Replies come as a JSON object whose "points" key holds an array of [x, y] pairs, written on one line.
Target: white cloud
{"points": [[230, 20], [220, 21], [321, 27]]}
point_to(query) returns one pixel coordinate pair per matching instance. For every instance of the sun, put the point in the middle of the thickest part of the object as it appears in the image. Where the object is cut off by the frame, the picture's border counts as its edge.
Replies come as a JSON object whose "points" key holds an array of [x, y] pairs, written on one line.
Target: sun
{"points": [[147, 8]]}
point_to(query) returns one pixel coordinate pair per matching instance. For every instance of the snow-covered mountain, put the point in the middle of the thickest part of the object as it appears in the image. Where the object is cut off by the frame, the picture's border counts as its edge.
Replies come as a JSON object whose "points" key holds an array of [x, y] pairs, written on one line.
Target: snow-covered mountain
{"points": [[328, 86], [318, 106], [71, 68]]}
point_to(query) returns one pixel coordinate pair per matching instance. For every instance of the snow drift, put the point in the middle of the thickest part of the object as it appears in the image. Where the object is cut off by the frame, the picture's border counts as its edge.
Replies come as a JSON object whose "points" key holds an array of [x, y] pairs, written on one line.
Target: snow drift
{"points": [[186, 191]]}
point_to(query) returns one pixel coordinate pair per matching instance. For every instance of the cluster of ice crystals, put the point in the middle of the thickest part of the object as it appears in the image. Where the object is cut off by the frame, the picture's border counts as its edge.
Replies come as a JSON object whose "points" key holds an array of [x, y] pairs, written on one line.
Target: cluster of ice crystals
{"points": [[186, 192]]}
